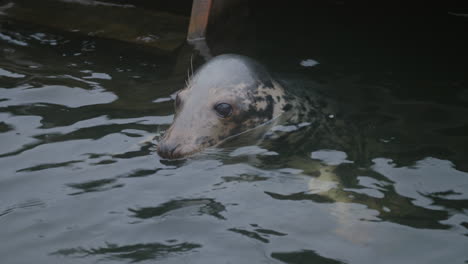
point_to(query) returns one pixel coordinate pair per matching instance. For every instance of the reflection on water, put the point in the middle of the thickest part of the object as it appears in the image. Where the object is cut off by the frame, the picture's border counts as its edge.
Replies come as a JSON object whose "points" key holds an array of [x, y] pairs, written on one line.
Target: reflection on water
{"points": [[133, 253], [209, 207], [95, 186], [81, 182], [302, 257]]}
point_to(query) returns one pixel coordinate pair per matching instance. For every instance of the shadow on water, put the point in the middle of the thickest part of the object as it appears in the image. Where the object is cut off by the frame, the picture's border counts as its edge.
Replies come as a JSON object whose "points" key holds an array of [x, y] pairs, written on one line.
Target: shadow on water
{"points": [[205, 206], [260, 234], [95, 186], [133, 253], [49, 166], [303, 257]]}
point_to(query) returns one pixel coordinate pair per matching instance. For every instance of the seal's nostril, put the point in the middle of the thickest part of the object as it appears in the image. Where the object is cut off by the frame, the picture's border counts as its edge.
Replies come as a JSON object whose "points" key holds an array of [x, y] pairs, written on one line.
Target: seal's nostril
{"points": [[167, 151], [172, 151]]}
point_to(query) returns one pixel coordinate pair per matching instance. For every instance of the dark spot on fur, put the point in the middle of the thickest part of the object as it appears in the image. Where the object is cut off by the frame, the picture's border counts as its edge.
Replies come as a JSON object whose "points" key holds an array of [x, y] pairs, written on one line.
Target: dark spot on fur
{"points": [[259, 99], [287, 107], [267, 83], [253, 117], [270, 107]]}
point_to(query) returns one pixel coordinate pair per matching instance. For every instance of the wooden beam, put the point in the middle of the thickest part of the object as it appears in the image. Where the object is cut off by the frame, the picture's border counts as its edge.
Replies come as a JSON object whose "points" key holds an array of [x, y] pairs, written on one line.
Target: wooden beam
{"points": [[199, 19]]}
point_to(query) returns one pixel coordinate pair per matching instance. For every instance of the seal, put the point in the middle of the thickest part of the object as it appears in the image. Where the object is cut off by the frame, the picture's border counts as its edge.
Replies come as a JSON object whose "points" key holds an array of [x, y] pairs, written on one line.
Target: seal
{"points": [[227, 96], [232, 95]]}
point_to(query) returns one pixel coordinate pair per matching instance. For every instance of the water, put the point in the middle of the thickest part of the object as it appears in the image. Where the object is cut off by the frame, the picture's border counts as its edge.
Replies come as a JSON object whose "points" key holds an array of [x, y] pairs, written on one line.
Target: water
{"points": [[81, 182]]}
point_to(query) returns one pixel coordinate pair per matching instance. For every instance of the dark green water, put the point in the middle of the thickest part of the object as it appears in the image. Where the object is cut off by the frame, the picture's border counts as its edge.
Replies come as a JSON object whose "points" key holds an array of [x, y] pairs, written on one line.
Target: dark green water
{"points": [[81, 182]]}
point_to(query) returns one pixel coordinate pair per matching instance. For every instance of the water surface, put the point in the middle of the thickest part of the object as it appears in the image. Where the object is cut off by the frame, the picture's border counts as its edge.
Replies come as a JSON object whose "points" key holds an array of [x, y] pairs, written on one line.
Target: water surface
{"points": [[81, 182]]}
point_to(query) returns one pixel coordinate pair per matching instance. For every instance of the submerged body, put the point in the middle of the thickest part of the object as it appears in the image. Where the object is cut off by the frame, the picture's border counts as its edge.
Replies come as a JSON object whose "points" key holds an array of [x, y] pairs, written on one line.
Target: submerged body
{"points": [[228, 96]]}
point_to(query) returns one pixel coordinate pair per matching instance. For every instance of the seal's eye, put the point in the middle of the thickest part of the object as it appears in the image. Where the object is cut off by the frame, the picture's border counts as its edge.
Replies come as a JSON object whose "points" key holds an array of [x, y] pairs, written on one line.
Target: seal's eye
{"points": [[223, 110]]}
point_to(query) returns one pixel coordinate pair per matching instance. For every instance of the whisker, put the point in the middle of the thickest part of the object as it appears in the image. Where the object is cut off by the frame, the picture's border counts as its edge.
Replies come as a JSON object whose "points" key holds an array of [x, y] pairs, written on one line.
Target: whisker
{"points": [[191, 62], [214, 152]]}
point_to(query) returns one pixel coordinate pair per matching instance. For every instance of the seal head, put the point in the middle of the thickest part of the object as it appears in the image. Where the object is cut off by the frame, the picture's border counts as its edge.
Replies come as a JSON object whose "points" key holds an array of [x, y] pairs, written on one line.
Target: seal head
{"points": [[228, 95]]}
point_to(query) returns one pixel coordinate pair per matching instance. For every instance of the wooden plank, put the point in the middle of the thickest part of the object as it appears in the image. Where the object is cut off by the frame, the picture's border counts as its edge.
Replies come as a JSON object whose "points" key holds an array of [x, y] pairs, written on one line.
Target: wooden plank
{"points": [[199, 19]]}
